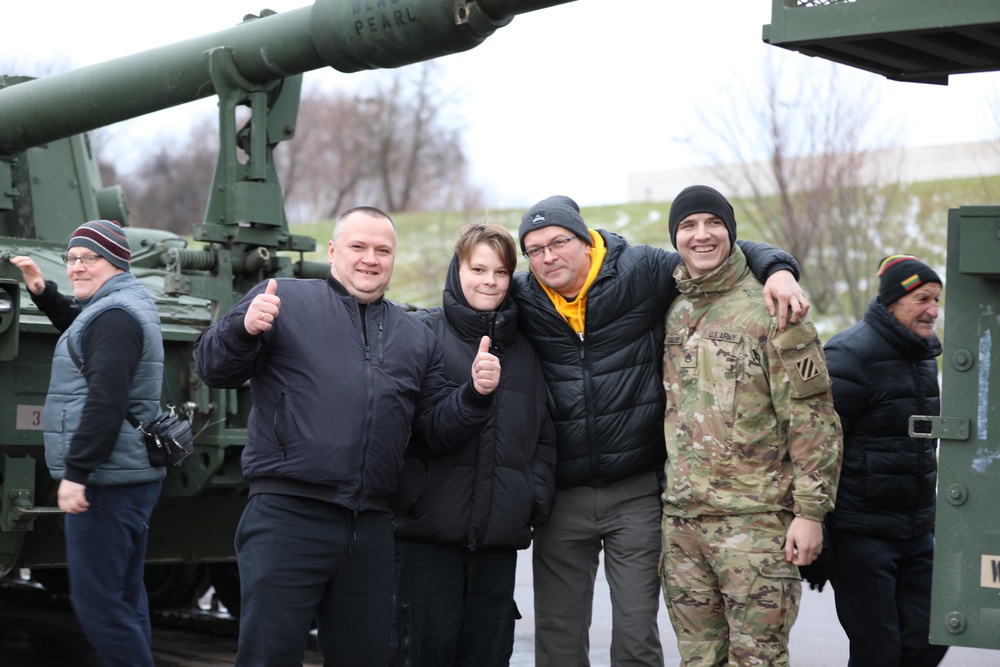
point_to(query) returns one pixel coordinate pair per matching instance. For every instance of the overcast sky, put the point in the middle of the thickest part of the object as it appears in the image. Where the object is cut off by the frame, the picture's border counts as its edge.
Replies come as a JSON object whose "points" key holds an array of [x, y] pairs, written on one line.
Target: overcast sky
{"points": [[567, 100]]}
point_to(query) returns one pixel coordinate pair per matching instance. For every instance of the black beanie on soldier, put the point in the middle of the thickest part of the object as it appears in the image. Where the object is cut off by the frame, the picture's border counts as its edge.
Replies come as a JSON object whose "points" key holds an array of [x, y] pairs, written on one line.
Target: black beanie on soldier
{"points": [[701, 199]]}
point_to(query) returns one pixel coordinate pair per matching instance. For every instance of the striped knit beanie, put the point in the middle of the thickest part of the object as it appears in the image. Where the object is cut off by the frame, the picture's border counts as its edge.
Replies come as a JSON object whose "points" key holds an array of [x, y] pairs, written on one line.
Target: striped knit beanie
{"points": [[901, 274], [106, 238]]}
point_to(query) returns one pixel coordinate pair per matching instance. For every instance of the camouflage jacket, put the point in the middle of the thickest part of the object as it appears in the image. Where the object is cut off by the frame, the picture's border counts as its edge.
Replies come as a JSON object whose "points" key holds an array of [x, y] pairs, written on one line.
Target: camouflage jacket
{"points": [[750, 424]]}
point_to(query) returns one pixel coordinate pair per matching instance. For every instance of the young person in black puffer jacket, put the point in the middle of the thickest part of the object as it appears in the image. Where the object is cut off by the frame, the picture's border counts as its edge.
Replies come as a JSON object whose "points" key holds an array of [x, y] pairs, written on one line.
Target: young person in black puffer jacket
{"points": [[461, 517]]}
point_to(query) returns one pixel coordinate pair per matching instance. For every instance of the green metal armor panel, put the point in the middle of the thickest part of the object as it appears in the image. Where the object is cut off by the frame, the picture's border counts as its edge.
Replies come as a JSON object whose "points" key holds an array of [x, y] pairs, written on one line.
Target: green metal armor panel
{"points": [[906, 40], [965, 609]]}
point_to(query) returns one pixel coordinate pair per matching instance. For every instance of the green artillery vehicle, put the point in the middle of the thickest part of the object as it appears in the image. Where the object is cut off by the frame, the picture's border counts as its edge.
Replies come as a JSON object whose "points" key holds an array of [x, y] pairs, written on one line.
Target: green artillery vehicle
{"points": [[49, 184], [926, 41]]}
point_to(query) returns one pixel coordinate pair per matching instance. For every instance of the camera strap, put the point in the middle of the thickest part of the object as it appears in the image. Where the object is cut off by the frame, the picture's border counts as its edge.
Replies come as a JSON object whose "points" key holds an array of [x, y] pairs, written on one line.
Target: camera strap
{"points": [[129, 417]]}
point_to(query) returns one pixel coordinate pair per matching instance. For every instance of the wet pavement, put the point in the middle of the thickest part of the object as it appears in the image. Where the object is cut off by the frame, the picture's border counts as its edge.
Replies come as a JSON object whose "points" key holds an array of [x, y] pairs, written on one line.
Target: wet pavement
{"points": [[32, 636], [817, 640]]}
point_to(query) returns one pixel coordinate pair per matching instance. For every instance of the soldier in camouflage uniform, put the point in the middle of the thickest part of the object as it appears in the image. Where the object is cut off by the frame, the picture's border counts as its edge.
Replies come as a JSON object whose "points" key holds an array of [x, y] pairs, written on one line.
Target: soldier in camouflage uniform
{"points": [[753, 447]]}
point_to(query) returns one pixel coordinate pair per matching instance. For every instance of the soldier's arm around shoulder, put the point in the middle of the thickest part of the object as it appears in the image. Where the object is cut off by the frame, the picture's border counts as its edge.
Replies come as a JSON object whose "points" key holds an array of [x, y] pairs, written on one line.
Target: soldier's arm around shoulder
{"points": [[764, 259]]}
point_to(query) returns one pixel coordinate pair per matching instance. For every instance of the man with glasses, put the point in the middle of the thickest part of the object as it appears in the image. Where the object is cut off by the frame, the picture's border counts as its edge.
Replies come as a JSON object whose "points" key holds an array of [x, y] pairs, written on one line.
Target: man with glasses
{"points": [[107, 486], [594, 308]]}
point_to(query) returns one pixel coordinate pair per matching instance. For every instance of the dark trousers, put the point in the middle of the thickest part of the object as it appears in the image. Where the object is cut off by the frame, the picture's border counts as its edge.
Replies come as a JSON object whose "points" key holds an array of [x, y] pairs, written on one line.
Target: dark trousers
{"points": [[105, 557], [454, 607], [302, 559], [883, 594]]}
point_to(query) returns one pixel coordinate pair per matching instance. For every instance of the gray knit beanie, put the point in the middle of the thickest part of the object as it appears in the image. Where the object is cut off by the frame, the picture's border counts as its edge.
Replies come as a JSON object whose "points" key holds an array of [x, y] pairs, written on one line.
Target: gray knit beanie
{"points": [[557, 210]]}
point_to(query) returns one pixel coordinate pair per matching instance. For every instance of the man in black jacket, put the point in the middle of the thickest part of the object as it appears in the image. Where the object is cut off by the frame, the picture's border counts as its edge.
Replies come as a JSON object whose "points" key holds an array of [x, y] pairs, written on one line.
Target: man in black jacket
{"points": [[594, 308], [339, 376], [881, 545]]}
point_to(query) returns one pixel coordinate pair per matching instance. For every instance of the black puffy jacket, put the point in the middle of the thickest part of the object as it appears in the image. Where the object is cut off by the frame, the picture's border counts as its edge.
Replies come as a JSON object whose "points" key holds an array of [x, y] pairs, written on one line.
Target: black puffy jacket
{"points": [[333, 408], [490, 493], [882, 374], [606, 391]]}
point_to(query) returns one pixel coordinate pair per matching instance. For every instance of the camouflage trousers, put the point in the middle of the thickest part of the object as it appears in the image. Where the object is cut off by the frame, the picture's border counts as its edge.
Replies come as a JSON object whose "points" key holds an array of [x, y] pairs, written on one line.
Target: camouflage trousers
{"points": [[731, 595]]}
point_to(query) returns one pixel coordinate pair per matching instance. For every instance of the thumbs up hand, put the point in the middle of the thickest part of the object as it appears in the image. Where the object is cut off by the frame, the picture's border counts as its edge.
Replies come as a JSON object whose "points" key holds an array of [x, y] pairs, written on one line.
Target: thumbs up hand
{"points": [[263, 310], [485, 369]]}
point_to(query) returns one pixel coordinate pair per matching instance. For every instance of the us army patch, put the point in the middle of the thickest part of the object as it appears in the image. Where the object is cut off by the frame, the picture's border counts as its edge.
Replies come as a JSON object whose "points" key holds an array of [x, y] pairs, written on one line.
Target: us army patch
{"points": [[727, 336]]}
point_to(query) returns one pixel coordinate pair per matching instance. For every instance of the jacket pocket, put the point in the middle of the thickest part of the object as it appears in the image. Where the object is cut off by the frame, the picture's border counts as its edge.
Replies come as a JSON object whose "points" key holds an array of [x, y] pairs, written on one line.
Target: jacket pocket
{"points": [[281, 421], [722, 360]]}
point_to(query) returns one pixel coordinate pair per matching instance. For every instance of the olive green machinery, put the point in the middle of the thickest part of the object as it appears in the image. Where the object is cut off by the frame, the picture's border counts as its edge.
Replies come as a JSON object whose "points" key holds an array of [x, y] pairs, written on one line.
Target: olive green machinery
{"points": [[926, 41], [49, 184]]}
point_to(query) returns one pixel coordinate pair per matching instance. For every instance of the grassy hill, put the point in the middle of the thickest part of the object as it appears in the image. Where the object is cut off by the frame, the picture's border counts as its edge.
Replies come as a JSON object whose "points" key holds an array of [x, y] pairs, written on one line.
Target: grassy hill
{"points": [[426, 239]]}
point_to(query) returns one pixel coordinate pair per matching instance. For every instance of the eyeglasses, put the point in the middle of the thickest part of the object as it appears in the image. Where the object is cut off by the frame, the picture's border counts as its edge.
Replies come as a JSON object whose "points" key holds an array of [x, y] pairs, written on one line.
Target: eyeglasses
{"points": [[86, 260], [555, 246]]}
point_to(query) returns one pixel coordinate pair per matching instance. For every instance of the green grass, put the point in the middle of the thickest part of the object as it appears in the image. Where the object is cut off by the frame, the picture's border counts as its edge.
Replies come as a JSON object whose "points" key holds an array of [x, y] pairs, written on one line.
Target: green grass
{"points": [[426, 240]]}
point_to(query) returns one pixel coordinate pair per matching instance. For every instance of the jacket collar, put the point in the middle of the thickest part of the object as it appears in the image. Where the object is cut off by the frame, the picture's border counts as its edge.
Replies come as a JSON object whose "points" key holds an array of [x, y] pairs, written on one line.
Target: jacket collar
{"points": [[720, 280], [899, 336], [117, 282], [341, 291]]}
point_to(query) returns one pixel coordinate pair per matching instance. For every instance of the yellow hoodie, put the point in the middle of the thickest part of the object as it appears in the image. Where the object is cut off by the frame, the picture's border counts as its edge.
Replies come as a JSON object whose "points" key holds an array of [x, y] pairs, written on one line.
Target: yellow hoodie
{"points": [[575, 311]]}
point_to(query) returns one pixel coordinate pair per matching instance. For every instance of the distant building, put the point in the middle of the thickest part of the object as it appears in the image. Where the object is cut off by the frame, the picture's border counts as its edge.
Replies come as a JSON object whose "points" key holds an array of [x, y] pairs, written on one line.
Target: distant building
{"points": [[915, 165]]}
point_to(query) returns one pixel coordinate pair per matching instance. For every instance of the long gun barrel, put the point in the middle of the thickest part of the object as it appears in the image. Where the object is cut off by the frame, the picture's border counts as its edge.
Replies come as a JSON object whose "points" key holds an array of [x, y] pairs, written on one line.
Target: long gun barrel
{"points": [[50, 182], [348, 35]]}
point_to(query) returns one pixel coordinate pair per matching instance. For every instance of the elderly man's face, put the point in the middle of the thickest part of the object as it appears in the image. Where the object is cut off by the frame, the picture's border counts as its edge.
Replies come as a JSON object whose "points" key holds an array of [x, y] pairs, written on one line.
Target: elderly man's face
{"points": [[918, 310]]}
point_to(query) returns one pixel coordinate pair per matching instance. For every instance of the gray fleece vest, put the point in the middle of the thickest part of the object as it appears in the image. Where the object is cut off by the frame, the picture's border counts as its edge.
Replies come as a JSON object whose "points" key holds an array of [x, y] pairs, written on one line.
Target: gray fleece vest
{"points": [[128, 463]]}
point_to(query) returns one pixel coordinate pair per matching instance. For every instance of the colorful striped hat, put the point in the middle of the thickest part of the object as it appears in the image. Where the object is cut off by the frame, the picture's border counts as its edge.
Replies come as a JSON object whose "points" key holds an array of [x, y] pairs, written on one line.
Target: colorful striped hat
{"points": [[106, 238], [901, 274]]}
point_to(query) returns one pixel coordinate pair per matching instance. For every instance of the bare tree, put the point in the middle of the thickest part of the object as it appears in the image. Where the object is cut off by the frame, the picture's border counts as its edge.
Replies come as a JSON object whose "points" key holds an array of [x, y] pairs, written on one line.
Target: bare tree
{"points": [[392, 144], [992, 125], [169, 190], [324, 166], [799, 160], [418, 149]]}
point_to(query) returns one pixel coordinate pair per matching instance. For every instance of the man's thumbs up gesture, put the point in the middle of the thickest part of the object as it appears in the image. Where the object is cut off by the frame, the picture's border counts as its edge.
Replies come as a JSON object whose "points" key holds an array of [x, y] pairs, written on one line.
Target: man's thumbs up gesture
{"points": [[485, 369], [263, 310]]}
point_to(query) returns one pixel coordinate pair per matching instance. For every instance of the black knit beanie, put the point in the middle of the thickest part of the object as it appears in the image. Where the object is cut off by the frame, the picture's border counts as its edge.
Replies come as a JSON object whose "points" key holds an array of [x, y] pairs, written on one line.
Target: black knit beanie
{"points": [[701, 199], [557, 210], [900, 274]]}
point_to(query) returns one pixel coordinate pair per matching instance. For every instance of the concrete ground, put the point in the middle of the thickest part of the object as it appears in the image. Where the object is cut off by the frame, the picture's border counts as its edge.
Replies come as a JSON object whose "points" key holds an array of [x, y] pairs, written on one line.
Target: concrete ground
{"points": [[817, 639]]}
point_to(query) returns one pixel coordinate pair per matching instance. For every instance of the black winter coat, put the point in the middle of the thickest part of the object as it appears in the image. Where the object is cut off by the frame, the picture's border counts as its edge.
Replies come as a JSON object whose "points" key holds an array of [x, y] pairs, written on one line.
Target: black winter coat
{"points": [[333, 408], [606, 391], [492, 492], [882, 374]]}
